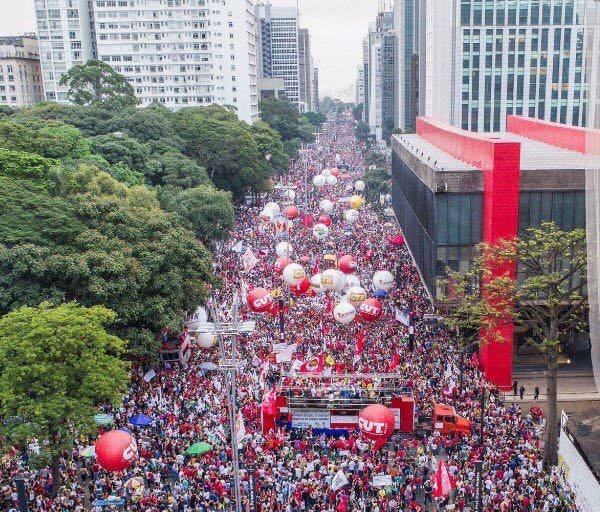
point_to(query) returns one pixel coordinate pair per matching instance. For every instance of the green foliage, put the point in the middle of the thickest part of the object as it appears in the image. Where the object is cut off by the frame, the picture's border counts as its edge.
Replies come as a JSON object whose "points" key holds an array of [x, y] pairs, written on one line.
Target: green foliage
{"points": [[58, 364], [152, 123], [315, 118], [96, 82], [283, 117], [357, 112], [272, 153], [176, 170], [121, 149], [363, 132], [206, 210], [377, 183]]}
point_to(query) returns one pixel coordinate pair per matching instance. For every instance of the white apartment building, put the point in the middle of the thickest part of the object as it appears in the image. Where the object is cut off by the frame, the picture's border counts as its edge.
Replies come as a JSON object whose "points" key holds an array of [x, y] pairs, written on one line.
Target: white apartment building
{"points": [[65, 34], [20, 73], [360, 85], [179, 53], [486, 59], [278, 44]]}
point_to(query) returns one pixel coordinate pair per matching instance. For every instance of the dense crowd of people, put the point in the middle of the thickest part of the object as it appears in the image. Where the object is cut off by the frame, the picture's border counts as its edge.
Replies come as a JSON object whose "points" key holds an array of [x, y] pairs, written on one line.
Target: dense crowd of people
{"points": [[288, 470]]}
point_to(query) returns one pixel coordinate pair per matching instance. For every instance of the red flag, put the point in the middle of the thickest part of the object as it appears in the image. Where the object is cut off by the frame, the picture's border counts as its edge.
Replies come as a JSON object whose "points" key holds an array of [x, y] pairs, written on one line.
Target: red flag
{"points": [[269, 404], [329, 308], [394, 363], [360, 342], [307, 221], [314, 365], [443, 482], [315, 269]]}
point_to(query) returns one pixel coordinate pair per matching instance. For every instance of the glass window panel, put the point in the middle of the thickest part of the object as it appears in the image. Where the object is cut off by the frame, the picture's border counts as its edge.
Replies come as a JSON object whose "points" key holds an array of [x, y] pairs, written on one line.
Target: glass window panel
{"points": [[557, 208], [453, 219]]}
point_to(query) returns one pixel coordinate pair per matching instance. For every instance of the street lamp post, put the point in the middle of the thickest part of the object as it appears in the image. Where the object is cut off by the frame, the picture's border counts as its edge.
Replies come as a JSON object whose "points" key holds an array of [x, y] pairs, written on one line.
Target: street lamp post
{"points": [[226, 333]]}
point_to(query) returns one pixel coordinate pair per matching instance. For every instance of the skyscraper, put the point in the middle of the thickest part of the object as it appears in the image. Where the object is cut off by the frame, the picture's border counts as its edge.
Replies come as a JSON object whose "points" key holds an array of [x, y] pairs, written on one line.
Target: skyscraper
{"points": [[315, 85], [278, 47], [360, 85], [305, 70], [175, 52], [592, 62], [484, 60], [406, 35]]}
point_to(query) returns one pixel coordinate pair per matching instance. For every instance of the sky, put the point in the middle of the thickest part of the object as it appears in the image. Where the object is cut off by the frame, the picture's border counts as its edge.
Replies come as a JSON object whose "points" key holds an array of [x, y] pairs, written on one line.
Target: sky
{"points": [[337, 28]]}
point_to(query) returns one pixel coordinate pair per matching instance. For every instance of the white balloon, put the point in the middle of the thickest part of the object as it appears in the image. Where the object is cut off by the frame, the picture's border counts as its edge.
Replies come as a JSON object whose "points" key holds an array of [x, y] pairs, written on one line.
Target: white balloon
{"points": [[383, 280], [289, 194], [320, 231], [333, 280], [344, 313], [206, 339], [267, 215], [331, 180], [351, 216], [319, 181], [326, 172], [292, 272], [272, 207], [315, 282], [326, 206], [356, 295], [351, 280], [359, 185], [284, 249]]}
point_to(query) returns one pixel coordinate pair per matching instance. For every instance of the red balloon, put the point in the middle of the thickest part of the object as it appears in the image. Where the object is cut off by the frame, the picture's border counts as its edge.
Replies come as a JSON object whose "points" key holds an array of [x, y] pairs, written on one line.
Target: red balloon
{"points": [[300, 287], [325, 219], [376, 422], [280, 264], [260, 300], [115, 450], [370, 310], [335, 172], [347, 264], [291, 212]]}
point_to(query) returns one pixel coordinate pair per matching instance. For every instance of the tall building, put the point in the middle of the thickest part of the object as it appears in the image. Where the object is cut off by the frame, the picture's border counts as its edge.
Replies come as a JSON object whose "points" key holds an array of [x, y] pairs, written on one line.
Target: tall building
{"points": [[360, 85], [592, 61], [406, 37], [20, 72], [66, 38], [278, 47], [175, 52], [366, 80], [485, 60], [315, 88], [305, 70]]}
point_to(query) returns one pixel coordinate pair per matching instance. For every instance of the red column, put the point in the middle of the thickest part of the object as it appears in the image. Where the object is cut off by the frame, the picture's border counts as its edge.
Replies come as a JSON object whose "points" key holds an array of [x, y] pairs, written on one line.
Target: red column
{"points": [[500, 163]]}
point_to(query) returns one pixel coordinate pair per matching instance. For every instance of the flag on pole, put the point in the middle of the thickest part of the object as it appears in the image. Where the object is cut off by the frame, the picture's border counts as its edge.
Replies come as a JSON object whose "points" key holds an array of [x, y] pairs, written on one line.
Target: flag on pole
{"points": [[249, 260], [442, 483], [285, 355], [403, 317], [149, 376], [240, 428], [314, 365], [339, 480], [360, 342]]}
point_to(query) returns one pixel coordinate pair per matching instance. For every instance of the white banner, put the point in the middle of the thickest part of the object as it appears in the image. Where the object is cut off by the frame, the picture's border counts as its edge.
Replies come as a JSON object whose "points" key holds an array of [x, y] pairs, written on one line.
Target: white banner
{"points": [[396, 413], [339, 480], [314, 418], [381, 480]]}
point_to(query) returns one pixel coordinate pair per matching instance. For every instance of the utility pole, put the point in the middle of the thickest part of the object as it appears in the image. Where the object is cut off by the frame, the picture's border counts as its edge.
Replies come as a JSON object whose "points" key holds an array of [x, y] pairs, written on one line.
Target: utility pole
{"points": [[227, 333]]}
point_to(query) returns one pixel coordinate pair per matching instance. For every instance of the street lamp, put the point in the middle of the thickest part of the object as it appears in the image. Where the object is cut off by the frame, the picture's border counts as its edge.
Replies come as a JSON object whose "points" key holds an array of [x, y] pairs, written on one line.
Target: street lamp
{"points": [[227, 333]]}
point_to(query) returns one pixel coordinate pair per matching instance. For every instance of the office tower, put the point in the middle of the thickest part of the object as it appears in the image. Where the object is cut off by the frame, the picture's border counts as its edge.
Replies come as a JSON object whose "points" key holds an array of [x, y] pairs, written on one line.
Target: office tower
{"points": [[485, 60], [278, 46], [305, 70], [175, 52], [366, 80], [66, 39], [592, 61], [406, 37], [20, 72], [315, 86], [360, 85]]}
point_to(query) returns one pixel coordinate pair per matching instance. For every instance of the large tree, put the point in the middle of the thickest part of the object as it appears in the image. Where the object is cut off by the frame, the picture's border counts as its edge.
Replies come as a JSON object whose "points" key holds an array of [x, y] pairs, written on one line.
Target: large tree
{"points": [[549, 297], [58, 365], [97, 82]]}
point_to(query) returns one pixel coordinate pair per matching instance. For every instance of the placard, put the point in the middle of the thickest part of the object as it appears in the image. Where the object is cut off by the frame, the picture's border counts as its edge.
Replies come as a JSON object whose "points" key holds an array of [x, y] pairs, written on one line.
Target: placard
{"points": [[314, 418], [381, 480]]}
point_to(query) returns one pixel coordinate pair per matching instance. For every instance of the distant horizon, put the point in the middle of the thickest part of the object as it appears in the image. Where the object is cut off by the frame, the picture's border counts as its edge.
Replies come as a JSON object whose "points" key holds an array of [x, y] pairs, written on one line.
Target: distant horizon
{"points": [[336, 28]]}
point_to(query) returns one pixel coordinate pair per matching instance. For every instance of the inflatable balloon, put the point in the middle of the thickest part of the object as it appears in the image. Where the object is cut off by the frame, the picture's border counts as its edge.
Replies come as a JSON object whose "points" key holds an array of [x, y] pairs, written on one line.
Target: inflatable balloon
{"points": [[289, 194], [326, 206], [315, 281], [320, 231], [280, 264], [206, 339], [260, 300], [282, 224], [359, 185], [383, 280], [300, 287], [370, 310], [291, 212], [326, 172], [115, 450], [325, 219], [356, 202], [344, 313], [266, 216], [284, 249], [272, 207], [351, 280], [331, 180], [347, 264], [333, 280], [292, 273], [356, 296], [335, 172], [351, 216], [319, 181], [376, 422], [197, 318]]}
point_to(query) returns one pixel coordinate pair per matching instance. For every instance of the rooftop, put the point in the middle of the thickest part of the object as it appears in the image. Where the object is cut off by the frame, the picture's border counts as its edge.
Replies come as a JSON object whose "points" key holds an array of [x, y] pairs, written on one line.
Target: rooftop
{"points": [[534, 155], [585, 429]]}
